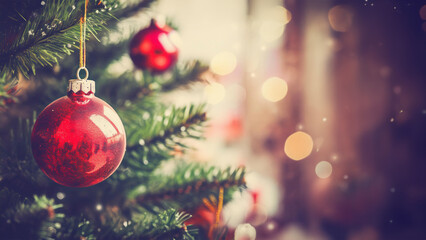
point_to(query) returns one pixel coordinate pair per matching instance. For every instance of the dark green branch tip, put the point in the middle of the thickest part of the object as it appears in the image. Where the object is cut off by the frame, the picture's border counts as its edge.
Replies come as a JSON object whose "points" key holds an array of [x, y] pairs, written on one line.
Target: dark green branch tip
{"points": [[199, 186]]}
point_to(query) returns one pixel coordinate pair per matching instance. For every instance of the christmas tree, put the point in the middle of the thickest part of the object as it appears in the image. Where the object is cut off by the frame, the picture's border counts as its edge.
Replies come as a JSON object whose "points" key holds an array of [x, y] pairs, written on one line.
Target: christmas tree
{"points": [[155, 189]]}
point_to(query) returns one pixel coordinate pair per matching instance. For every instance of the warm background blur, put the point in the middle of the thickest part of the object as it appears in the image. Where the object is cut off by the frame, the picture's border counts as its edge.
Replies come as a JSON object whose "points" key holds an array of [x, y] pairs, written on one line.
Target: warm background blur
{"points": [[325, 102]]}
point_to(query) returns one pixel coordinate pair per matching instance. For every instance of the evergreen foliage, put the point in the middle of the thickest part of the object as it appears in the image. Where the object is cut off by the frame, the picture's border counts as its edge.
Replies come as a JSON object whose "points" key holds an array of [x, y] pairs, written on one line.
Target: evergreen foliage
{"points": [[141, 200]]}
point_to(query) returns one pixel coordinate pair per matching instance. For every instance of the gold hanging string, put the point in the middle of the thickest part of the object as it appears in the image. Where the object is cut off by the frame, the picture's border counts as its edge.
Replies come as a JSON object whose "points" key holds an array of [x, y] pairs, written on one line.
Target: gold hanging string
{"points": [[83, 36], [83, 44], [219, 206], [214, 206]]}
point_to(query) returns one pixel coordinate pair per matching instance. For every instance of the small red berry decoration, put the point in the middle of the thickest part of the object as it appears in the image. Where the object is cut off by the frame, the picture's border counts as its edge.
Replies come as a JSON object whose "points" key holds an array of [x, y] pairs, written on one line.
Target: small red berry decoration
{"points": [[78, 140], [155, 48]]}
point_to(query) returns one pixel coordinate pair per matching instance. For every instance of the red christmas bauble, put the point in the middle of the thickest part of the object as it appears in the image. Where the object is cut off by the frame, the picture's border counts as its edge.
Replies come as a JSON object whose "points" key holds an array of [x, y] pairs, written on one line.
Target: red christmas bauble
{"points": [[201, 217], [154, 48], [78, 140]]}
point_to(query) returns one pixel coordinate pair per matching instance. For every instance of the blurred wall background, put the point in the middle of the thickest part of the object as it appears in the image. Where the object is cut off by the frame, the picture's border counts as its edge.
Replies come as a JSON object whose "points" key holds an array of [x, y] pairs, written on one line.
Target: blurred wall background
{"points": [[324, 101]]}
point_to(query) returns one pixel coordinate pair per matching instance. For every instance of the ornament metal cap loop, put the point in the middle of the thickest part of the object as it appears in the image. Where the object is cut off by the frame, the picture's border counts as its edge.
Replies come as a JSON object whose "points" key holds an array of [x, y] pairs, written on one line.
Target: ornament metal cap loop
{"points": [[79, 84], [85, 86], [87, 73]]}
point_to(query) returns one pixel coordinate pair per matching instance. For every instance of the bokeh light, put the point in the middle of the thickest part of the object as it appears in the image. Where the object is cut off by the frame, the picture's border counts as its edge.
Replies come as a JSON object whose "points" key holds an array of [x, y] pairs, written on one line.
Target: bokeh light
{"points": [[281, 14], [298, 145], [272, 27], [223, 63], [274, 89], [340, 18], [422, 12], [270, 30], [214, 93], [323, 169]]}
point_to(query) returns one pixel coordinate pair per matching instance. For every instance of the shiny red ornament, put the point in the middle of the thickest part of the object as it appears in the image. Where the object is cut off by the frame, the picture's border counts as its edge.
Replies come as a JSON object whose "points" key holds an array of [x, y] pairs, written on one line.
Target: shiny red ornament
{"points": [[155, 48], [78, 140]]}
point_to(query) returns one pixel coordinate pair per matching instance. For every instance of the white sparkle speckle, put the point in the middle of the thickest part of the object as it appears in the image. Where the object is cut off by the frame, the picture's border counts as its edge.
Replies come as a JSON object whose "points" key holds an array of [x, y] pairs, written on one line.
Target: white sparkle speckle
{"points": [[99, 207], [60, 195], [270, 226], [43, 3]]}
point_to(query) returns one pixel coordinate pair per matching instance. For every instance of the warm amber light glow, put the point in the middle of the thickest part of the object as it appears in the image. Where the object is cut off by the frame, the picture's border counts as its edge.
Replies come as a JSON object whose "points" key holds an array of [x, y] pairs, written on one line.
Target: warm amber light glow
{"points": [[274, 89], [340, 18], [214, 93], [273, 27], [298, 145], [270, 31], [323, 169], [280, 14], [223, 63]]}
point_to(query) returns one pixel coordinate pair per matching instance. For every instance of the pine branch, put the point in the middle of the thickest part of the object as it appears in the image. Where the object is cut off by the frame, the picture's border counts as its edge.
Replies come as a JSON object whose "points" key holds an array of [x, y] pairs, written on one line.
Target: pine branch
{"points": [[153, 139], [69, 227], [49, 35], [161, 131], [189, 73], [34, 216], [18, 168], [132, 9], [168, 224], [188, 185], [129, 88]]}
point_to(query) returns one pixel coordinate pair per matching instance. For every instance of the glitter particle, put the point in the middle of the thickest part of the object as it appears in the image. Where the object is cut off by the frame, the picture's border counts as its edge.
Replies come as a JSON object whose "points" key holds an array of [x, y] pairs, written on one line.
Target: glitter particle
{"points": [[99, 207], [60, 195]]}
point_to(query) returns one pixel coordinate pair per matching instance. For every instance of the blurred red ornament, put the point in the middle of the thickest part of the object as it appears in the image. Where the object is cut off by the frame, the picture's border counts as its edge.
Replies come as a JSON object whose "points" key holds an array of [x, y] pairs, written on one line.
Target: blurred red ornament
{"points": [[78, 140], [154, 48], [234, 128], [202, 217]]}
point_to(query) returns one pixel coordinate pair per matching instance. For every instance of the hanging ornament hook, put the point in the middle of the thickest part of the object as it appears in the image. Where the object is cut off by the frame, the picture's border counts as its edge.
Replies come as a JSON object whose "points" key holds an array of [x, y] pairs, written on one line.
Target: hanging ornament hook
{"points": [[86, 75]]}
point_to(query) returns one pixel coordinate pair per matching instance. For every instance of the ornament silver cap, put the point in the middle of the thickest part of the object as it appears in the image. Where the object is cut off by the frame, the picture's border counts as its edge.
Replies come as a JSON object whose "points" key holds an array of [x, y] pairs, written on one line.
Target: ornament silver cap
{"points": [[85, 86], [79, 84]]}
